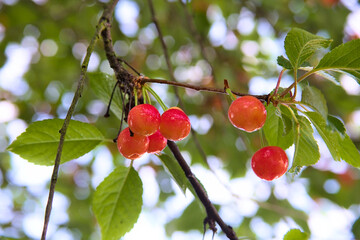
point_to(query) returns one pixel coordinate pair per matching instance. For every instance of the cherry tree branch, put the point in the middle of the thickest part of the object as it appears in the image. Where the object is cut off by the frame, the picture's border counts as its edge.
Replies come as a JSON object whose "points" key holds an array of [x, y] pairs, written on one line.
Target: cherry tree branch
{"points": [[127, 79], [200, 88], [212, 214], [105, 18]]}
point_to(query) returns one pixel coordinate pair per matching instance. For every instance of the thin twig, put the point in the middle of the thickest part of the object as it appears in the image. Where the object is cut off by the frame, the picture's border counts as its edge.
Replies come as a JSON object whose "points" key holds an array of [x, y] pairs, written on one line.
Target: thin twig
{"points": [[211, 211], [200, 88], [198, 37], [161, 37], [127, 64], [171, 73], [106, 17]]}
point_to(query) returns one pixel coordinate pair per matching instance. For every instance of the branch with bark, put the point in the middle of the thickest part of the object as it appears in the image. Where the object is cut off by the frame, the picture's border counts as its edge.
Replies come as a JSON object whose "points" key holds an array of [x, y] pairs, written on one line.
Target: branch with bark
{"points": [[128, 81], [105, 18]]}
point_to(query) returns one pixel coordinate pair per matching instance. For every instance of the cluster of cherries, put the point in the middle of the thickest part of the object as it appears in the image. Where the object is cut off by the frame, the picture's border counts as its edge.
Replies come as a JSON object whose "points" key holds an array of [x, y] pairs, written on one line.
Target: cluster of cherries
{"points": [[249, 114], [149, 132]]}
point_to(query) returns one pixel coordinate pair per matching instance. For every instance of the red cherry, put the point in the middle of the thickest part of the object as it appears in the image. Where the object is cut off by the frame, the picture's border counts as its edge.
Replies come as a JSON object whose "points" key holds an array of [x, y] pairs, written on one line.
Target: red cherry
{"points": [[144, 119], [157, 143], [132, 147], [270, 163], [175, 124], [247, 113]]}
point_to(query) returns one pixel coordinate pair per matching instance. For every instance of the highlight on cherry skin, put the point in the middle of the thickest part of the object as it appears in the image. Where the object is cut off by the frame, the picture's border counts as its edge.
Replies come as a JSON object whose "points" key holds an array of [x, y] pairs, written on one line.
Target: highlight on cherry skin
{"points": [[247, 113], [144, 119], [175, 124], [157, 143], [270, 163], [132, 147]]}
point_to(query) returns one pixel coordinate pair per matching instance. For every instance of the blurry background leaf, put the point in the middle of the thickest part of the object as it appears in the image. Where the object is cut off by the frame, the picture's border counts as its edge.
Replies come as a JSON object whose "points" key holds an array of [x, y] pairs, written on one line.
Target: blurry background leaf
{"points": [[296, 234], [103, 85]]}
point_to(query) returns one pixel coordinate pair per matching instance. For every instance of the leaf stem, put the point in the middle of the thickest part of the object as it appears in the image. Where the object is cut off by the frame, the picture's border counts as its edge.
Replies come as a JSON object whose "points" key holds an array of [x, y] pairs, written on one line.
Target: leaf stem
{"points": [[287, 90]]}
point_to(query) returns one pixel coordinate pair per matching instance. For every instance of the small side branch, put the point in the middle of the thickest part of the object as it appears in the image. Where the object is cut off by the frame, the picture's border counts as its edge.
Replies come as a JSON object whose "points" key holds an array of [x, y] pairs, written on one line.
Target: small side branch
{"points": [[106, 18], [200, 88], [212, 214]]}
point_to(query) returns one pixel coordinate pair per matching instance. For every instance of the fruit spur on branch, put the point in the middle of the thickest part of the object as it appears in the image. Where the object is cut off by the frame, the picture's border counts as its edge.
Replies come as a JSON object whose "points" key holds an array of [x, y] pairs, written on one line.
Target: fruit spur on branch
{"points": [[285, 117], [148, 131]]}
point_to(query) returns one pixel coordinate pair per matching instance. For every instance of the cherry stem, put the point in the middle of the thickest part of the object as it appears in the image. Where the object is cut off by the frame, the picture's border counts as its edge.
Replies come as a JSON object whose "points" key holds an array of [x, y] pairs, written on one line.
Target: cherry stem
{"points": [[127, 64], [135, 97], [107, 113], [144, 95], [228, 90], [158, 99], [287, 90], [200, 88]]}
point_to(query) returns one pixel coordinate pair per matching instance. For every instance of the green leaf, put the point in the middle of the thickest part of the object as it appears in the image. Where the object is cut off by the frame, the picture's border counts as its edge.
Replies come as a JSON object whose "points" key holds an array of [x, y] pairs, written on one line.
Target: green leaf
{"points": [[117, 202], [348, 151], [326, 133], [191, 219], [285, 63], [174, 169], [356, 228], [39, 143], [336, 124], [275, 128], [344, 58], [296, 234], [103, 84], [334, 135], [314, 98], [300, 45], [306, 149]]}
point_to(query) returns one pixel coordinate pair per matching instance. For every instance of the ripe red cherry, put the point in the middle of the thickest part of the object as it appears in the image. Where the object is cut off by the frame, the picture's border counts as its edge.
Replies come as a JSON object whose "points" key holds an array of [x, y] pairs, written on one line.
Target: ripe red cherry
{"points": [[144, 119], [247, 113], [270, 163], [157, 143], [132, 147], [175, 124]]}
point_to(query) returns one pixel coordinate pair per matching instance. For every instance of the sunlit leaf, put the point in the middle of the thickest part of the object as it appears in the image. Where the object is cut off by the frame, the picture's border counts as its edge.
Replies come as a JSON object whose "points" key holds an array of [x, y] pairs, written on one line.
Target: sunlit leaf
{"points": [[296, 234], [306, 148], [344, 57], [336, 124], [117, 202], [39, 143], [285, 63], [300, 45], [337, 141], [314, 97], [326, 133], [275, 129]]}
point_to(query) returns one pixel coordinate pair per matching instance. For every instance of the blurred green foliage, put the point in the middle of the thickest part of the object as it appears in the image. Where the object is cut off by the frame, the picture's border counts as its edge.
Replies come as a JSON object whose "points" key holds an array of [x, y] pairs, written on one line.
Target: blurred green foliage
{"points": [[50, 79]]}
